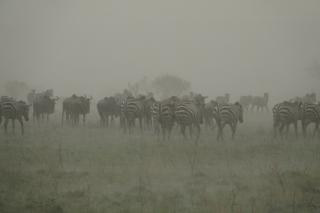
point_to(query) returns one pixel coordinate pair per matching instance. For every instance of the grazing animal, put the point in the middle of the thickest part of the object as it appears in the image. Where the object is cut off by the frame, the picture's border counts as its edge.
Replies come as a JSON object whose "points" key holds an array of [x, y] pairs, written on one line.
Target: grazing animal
{"points": [[245, 101], [285, 114], [189, 114], [107, 107], [209, 113], [223, 99], [43, 105], [166, 115], [148, 104], [260, 103], [310, 114], [131, 109], [229, 114], [75, 106], [14, 110]]}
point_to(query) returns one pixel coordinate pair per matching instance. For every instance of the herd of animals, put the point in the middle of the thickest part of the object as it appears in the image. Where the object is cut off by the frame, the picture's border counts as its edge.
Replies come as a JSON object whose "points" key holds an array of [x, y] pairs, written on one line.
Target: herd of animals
{"points": [[190, 111]]}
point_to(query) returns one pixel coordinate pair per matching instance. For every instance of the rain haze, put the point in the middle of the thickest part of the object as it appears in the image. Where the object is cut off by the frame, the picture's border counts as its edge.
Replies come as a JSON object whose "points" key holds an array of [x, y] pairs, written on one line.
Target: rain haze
{"points": [[97, 47], [178, 106]]}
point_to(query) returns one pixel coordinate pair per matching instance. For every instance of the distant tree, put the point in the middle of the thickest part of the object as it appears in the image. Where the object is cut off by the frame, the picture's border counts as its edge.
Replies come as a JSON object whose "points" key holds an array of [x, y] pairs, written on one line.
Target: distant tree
{"points": [[169, 85], [16, 89], [142, 86]]}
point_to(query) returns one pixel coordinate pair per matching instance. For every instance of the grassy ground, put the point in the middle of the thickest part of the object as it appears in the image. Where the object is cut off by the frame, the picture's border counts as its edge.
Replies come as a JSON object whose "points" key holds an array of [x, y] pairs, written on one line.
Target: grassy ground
{"points": [[90, 169]]}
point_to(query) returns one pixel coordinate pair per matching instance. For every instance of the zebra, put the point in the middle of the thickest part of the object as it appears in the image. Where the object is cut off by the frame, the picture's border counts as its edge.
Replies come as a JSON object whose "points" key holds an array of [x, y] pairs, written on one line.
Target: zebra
{"points": [[107, 107], [284, 114], [229, 114], [209, 113], [43, 105], [260, 103], [223, 99], [14, 110], [245, 101], [310, 114], [166, 115], [190, 113], [132, 108], [75, 106], [155, 117]]}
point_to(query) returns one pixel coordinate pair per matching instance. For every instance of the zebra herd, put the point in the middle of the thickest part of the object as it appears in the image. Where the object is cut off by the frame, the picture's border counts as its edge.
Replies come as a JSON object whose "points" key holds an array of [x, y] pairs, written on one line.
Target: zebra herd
{"points": [[188, 112]]}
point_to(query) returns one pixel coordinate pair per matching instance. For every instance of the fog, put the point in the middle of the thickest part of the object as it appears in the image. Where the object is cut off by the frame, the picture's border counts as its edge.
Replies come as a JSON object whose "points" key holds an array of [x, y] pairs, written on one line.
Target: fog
{"points": [[97, 47]]}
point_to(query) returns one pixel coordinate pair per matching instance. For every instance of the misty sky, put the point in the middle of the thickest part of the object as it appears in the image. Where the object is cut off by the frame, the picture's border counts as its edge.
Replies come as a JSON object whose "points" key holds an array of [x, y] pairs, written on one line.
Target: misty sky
{"points": [[97, 46]]}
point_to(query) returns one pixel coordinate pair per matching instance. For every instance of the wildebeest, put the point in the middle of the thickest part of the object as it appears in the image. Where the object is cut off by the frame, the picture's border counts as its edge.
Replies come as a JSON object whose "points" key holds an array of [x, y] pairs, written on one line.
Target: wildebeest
{"points": [[43, 105], [260, 102], [246, 101], [107, 107], [75, 106], [223, 99], [308, 98]]}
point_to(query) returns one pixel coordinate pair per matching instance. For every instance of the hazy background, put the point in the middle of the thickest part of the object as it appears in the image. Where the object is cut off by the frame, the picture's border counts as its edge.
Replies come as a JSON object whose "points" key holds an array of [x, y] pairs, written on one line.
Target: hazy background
{"points": [[97, 47]]}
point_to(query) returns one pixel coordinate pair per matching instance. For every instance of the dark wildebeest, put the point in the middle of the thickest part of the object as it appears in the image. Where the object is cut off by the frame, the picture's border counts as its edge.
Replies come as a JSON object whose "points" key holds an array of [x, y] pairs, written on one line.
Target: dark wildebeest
{"points": [[107, 107]]}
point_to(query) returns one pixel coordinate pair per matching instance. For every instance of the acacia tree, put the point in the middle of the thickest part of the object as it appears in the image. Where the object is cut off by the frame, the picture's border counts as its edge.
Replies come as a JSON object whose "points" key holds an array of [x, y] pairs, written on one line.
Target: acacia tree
{"points": [[169, 85]]}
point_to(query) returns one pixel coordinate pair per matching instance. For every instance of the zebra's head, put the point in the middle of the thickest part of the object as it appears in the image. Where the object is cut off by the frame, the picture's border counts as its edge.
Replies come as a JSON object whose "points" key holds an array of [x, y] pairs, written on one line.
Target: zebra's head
{"points": [[240, 111]]}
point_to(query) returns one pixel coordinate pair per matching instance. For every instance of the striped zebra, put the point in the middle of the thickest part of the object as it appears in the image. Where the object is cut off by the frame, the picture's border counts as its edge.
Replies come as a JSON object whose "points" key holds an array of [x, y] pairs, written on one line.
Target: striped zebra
{"points": [[229, 114], [260, 102], [245, 101], [132, 109], [155, 117], [14, 110], [209, 114], [310, 114], [166, 115], [189, 114], [223, 99], [285, 114]]}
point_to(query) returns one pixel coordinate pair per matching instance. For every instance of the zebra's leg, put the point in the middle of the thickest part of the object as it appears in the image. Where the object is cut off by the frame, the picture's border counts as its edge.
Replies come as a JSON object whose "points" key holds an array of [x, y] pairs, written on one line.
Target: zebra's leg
{"points": [[234, 128], [287, 130], [275, 128], [198, 132], [191, 131], [6, 125], [13, 125], [296, 128], [281, 129], [316, 129], [84, 118], [304, 128], [21, 125], [140, 124], [183, 130]]}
